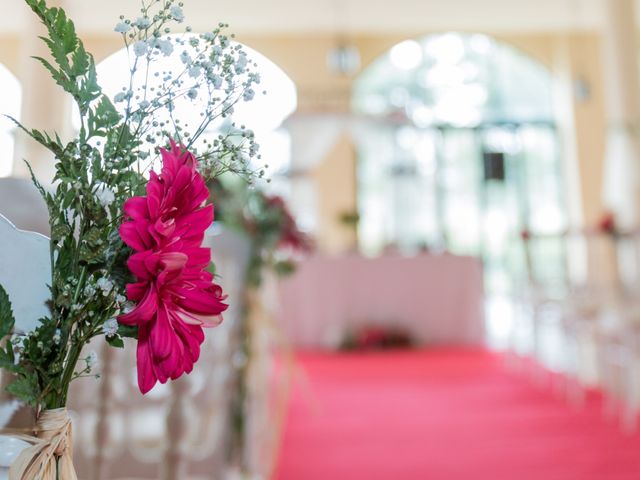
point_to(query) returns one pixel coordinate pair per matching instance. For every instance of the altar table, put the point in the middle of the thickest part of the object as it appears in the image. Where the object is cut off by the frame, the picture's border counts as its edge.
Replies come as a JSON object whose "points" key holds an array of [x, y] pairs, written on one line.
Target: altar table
{"points": [[437, 298]]}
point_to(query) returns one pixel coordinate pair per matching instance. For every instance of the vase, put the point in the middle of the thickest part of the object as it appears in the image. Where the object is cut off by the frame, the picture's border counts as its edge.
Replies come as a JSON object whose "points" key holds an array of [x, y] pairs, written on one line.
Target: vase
{"points": [[46, 456]]}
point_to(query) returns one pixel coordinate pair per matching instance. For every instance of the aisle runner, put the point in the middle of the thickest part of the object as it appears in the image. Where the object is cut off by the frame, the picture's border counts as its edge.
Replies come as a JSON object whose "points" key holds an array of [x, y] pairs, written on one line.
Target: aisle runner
{"points": [[442, 415]]}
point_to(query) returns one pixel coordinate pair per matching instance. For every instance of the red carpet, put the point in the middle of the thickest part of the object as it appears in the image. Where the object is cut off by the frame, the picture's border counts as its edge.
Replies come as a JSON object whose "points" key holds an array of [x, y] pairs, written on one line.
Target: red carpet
{"points": [[442, 415]]}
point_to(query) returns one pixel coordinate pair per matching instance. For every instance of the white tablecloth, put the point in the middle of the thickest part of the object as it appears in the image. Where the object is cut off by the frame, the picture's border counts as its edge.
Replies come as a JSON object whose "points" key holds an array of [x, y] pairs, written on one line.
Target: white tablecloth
{"points": [[437, 298]]}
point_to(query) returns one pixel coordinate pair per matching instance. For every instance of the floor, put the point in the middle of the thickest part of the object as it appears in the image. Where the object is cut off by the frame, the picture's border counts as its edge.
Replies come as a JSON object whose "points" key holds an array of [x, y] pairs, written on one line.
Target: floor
{"points": [[446, 414]]}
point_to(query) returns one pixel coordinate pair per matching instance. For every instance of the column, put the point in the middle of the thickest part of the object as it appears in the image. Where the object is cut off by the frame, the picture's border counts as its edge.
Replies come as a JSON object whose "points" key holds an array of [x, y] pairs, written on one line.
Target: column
{"points": [[622, 93]]}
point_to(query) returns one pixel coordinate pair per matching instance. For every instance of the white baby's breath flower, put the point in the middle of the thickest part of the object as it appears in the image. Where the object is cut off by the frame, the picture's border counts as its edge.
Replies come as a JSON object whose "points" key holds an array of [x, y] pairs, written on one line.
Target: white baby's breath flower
{"points": [[144, 104], [165, 46], [105, 196], [241, 63], [110, 327], [177, 13], [143, 22], [92, 360], [122, 27], [217, 81], [195, 71], [192, 94], [185, 58], [248, 95], [105, 285], [140, 48], [120, 97]]}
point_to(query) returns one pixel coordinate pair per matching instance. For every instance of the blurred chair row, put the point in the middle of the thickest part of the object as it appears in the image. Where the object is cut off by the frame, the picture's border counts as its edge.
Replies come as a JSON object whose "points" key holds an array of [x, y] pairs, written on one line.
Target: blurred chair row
{"points": [[585, 325]]}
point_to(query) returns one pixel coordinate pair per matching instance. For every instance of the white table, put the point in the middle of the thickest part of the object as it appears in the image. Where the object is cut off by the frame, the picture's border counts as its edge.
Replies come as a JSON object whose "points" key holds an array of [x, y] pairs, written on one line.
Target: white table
{"points": [[437, 298]]}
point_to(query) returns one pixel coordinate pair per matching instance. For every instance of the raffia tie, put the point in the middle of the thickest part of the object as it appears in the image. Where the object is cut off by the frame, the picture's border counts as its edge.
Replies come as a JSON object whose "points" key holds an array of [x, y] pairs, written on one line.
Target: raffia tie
{"points": [[51, 450]]}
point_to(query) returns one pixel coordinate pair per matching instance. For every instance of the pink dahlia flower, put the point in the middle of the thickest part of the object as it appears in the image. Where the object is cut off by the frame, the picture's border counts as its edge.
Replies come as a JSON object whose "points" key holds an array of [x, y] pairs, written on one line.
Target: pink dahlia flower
{"points": [[175, 295]]}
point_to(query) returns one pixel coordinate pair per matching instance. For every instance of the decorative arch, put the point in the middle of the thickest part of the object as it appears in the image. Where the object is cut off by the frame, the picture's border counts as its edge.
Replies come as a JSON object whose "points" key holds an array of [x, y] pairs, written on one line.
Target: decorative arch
{"points": [[10, 104], [453, 70]]}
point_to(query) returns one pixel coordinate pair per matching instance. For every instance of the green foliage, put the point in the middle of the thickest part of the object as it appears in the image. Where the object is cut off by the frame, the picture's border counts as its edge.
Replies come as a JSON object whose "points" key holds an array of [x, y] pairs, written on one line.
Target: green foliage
{"points": [[128, 331], [26, 388], [266, 221], [73, 69], [7, 321], [84, 248], [115, 341]]}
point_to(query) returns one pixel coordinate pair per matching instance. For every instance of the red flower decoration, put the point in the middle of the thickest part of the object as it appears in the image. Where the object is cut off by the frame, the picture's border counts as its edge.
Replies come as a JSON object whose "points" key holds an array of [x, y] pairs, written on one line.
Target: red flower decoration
{"points": [[175, 294], [607, 223], [291, 237]]}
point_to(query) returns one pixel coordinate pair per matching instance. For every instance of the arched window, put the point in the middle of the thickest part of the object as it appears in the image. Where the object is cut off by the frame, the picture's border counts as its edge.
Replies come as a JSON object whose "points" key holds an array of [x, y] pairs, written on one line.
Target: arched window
{"points": [[264, 114], [10, 104], [458, 149]]}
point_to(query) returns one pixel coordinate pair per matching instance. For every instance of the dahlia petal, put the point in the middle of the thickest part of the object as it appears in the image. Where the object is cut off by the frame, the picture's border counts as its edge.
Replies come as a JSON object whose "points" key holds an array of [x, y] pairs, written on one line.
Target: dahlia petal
{"points": [[165, 228], [144, 311], [206, 321], [132, 236], [172, 365], [188, 318], [174, 260], [182, 181], [162, 336], [198, 221], [202, 302], [200, 193], [138, 265], [146, 375], [192, 336], [198, 257], [154, 194], [152, 263], [135, 291], [136, 207]]}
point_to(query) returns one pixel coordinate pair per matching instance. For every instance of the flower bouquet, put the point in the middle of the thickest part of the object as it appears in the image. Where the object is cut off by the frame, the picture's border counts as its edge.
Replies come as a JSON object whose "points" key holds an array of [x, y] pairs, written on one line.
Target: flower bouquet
{"points": [[276, 244], [127, 211]]}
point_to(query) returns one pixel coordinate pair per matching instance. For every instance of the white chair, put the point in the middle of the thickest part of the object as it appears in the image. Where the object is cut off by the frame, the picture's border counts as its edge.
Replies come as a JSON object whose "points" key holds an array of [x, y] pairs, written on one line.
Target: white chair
{"points": [[24, 273], [22, 205]]}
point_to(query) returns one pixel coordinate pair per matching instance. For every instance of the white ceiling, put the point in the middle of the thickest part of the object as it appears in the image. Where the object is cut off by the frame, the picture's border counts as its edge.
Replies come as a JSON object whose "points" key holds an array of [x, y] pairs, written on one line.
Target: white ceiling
{"points": [[379, 16]]}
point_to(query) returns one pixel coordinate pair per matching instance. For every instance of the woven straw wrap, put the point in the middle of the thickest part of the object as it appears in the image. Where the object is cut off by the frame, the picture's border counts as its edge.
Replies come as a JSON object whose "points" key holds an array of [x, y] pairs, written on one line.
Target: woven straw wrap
{"points": [[50, 456]]}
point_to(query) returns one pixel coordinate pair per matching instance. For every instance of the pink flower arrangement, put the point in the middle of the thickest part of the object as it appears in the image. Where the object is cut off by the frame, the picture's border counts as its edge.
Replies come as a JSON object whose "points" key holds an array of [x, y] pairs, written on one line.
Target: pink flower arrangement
{"points": [[175, 295], [291, 237]]}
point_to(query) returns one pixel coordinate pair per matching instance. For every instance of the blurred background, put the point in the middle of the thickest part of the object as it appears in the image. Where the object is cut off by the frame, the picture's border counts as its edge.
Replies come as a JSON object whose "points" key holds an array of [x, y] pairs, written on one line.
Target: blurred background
{"points": [[456, 185]]}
